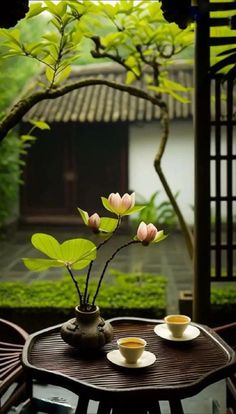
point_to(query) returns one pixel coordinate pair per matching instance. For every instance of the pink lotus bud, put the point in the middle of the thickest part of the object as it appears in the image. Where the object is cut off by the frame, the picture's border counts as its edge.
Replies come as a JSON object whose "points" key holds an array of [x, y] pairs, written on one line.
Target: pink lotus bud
{"points": [[127, 202], [115, 200], [94, 221], [146, 233], [121, 205], [142, 231], [151, 232]]}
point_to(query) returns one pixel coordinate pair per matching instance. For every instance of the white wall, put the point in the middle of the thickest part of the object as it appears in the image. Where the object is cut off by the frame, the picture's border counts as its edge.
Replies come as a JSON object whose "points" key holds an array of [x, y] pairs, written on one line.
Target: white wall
{"points": [[177, 164]]}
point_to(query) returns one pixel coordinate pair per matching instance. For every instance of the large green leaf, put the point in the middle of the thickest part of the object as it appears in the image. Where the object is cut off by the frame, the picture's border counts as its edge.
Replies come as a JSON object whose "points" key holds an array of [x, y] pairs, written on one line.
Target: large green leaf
{"points": [[38, 265], [47, 245], [81, 264], [75, 250]]}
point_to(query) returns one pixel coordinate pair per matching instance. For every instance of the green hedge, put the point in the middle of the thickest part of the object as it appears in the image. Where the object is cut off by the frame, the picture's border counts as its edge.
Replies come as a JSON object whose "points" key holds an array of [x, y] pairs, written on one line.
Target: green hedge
{"points": [[54, 301], [223, 296]]}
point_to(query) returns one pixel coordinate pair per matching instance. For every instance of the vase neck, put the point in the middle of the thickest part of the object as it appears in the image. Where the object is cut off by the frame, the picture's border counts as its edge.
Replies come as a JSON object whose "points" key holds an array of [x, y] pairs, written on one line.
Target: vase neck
{"points": [[87, 315]]}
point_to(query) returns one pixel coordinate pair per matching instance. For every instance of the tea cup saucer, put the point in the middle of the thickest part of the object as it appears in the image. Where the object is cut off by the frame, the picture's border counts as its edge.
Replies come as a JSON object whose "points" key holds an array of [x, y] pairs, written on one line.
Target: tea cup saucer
{"points": [[147, 358], [190, 333]]}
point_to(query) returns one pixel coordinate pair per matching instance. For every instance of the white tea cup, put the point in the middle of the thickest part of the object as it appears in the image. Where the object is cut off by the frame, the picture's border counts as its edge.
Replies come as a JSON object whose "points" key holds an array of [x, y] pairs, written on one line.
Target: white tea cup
{"points": [[177, 324], [131, 348]]}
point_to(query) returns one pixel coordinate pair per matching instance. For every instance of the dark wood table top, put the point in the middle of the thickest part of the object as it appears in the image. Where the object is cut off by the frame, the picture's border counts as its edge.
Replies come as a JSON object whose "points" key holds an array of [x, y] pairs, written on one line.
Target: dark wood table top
{"points": [[181, 368]]}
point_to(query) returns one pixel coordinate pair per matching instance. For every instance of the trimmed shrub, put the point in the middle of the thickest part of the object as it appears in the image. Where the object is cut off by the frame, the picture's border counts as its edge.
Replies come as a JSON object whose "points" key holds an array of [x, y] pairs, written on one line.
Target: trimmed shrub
{"points": [[43, 303]]}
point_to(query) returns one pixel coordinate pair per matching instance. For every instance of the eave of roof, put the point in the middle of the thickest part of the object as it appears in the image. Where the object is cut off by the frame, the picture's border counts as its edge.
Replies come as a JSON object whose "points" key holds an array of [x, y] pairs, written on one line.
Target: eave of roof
{"points": [[100, 103]]}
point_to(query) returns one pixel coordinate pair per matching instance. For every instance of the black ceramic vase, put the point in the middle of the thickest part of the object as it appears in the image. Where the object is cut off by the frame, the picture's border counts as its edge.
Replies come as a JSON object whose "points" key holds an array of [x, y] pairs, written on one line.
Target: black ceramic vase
{"points": [[87, 331]]}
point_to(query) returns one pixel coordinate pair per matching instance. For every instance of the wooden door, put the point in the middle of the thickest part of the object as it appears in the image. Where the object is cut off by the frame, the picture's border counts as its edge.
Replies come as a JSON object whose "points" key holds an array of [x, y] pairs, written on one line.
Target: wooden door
{"points": [[72, 166], [101, 163]]}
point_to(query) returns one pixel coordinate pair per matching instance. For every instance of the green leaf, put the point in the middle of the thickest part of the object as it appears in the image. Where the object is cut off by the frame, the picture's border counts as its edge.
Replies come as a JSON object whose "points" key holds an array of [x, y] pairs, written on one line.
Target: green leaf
{"points": [[39, 124], [108, 224], [63, 74], [84, 216], [52, 37], [178, 97], [47, 245], [175, 85], [35, 9], [38, 265], [14, 35], [25, 138], [135, 209], [131, 61], [52, 8], [49, 74], [113, 39], [61, 8], [161, 236], [56, 24], [75, 250], [81, 264], [107, 205], [130, 77]]}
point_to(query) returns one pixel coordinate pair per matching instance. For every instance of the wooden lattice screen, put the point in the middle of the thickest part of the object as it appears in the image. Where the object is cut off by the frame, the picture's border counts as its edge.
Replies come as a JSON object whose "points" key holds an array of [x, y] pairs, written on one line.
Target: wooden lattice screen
{"points": [[215, 151]]}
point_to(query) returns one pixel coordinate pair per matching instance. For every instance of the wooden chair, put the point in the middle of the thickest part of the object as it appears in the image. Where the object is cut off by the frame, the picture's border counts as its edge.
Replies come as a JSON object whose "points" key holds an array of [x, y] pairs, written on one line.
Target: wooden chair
{"points": [[12, 383], [228, 334]]}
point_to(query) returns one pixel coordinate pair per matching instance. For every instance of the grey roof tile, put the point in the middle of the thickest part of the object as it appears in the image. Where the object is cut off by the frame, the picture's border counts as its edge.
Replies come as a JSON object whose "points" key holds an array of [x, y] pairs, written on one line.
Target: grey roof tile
{"points": [[99, 103]]}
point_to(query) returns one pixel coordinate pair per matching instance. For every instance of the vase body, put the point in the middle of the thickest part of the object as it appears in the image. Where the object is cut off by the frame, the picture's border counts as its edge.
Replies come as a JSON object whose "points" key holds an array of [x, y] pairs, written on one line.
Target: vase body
{"points": [[87, 331]]}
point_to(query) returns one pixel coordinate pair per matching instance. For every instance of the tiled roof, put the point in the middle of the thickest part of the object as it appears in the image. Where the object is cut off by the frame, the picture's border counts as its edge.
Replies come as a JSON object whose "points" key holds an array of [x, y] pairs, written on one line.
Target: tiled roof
{"points": [[101, 103]]}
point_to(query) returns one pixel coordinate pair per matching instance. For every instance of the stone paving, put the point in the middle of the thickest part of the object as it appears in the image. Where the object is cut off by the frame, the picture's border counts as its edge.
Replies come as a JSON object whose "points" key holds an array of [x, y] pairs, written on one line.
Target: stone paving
{"points": [[169, 258]]}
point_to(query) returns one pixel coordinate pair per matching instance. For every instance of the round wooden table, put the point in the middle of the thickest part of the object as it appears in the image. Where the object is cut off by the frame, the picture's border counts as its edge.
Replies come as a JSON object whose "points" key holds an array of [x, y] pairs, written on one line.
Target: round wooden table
{"points": [[181, 369]]}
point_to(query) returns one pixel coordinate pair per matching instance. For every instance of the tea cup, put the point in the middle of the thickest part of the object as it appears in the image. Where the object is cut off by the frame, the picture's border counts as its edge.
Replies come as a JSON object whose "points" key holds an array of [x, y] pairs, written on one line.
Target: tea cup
{"points": [[131, 348], [177, 324]]}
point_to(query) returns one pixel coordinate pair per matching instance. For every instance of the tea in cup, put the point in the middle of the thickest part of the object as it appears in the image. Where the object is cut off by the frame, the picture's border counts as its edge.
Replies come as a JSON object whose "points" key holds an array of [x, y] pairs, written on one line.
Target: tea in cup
{"points": [[131, 348], [177, 324]]}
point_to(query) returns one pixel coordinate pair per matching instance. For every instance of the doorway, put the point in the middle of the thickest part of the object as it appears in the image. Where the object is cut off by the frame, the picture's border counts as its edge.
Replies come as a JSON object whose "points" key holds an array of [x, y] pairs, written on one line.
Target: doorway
{"points": [[72, 166]]}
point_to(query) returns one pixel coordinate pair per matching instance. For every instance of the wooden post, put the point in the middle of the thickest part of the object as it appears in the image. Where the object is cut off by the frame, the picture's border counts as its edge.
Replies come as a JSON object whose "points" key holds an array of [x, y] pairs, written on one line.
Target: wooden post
{"points": [[201, 294]]}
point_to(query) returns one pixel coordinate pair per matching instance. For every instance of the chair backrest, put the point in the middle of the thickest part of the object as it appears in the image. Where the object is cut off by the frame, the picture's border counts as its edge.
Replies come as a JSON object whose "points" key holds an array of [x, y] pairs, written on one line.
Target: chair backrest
{"points": [[12, 339]]}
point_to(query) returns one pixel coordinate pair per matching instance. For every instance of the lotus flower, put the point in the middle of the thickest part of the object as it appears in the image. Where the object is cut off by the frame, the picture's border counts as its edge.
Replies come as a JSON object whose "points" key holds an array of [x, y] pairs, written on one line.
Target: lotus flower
{"points": [[121, 205], [148, 233], [94, 221]]}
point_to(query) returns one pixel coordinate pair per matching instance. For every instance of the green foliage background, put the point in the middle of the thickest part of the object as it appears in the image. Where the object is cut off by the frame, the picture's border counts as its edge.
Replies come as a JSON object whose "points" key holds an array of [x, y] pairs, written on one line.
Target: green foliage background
{"points": [[122, 291], [14, 73]]}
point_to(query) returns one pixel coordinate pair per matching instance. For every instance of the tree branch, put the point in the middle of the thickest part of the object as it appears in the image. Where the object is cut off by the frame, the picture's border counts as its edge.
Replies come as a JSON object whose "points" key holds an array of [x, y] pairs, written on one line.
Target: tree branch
{"points": [[18, 111], [157, 165]]}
